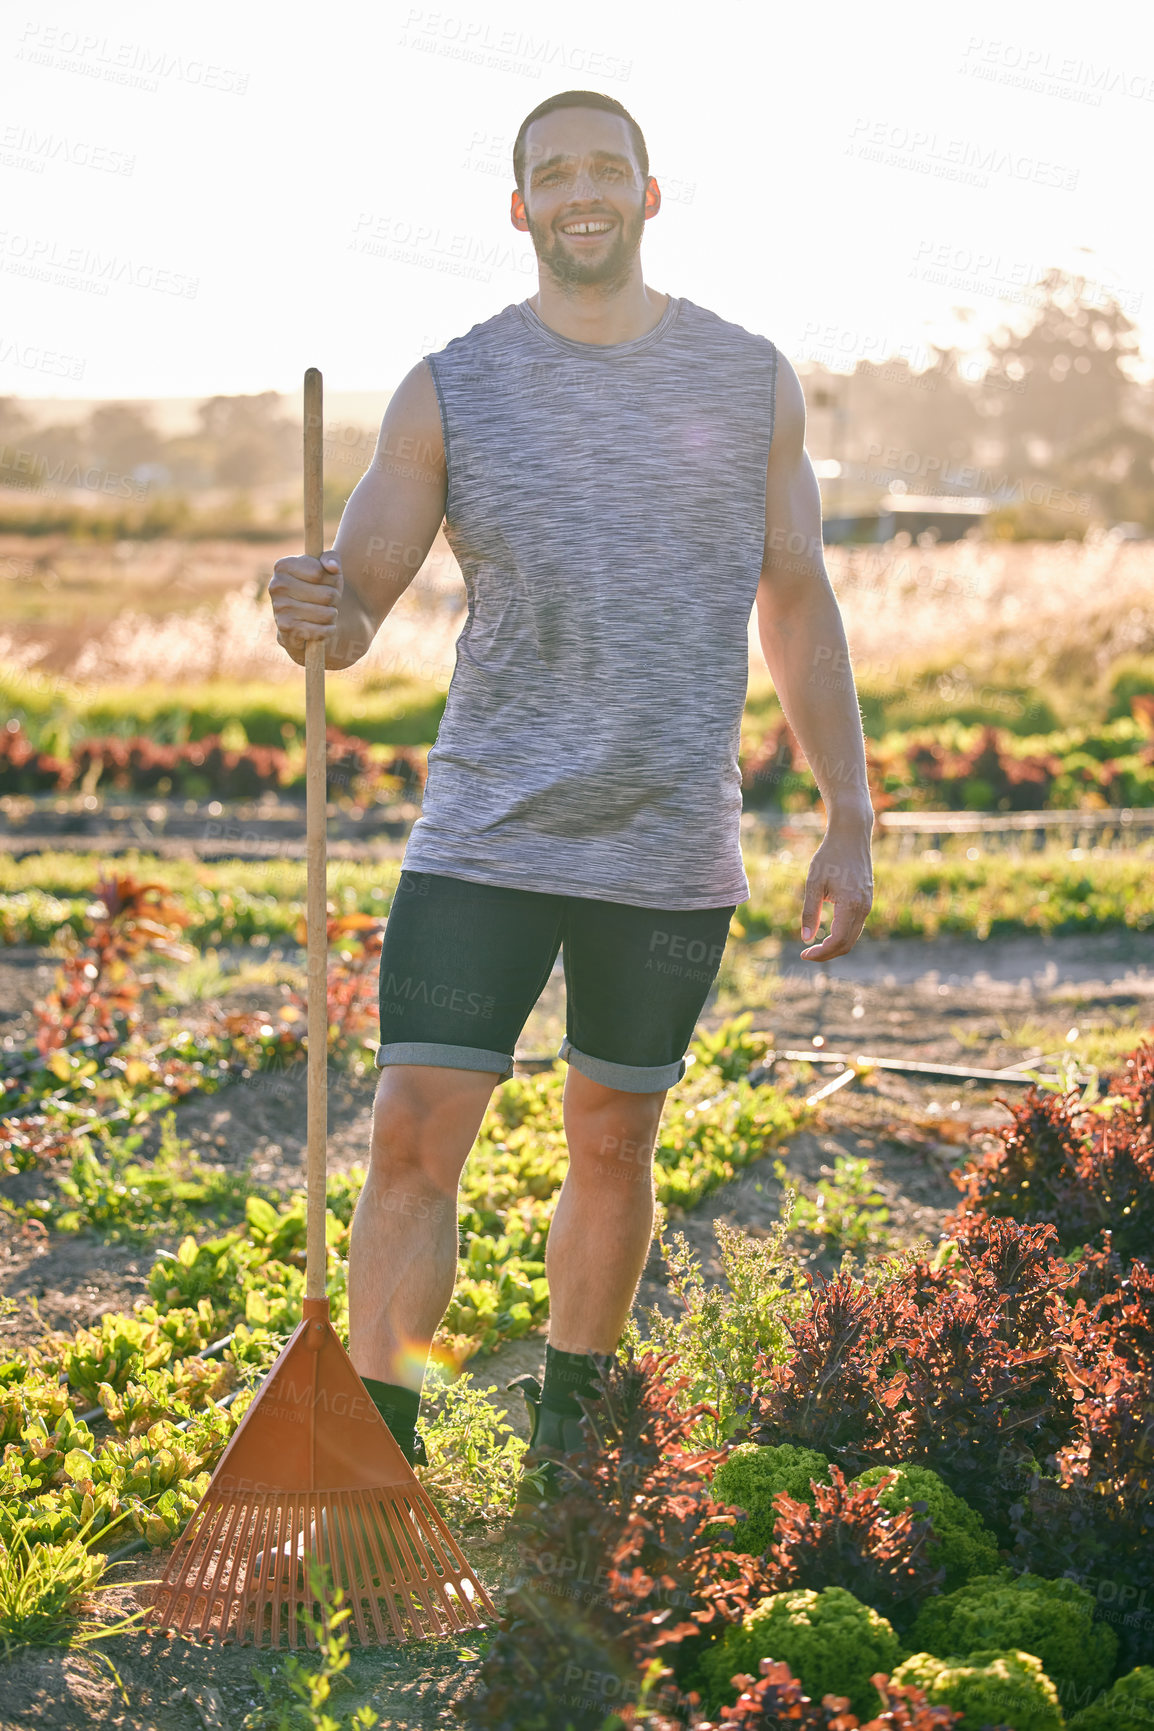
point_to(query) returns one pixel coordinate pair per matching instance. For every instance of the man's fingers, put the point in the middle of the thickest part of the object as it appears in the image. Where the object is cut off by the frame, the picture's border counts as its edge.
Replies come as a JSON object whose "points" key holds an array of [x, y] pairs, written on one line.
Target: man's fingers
{"points": [[303, 569], [811, 911], [309, 613], [849, 918]]}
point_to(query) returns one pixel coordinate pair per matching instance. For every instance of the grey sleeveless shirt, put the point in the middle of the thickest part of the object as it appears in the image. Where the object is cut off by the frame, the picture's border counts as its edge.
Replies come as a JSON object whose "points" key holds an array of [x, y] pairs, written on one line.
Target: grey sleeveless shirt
{"points": [[606, 505]]}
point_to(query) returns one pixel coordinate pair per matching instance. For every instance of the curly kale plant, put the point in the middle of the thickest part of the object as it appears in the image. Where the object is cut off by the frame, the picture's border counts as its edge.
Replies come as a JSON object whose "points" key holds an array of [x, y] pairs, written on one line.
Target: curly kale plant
{"points": [[831, 1642], [966, 1545], [1127, 1706], [750, 1477], [989, 1688], [1054, 1620]]}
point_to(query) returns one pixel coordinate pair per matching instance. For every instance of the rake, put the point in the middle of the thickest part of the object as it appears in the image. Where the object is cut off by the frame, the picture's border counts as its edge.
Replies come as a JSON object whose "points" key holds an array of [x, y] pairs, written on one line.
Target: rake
{"points": [[313, 1471]]}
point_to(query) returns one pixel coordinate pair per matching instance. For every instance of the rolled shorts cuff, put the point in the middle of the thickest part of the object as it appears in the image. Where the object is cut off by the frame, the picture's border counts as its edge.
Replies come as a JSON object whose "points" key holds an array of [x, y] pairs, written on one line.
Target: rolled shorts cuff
{"points": [[450, 1057], [631, 1078]]}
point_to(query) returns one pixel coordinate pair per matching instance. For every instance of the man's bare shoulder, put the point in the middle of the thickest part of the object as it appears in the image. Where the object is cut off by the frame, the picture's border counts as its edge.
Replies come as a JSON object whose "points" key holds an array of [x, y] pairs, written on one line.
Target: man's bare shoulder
{"points": [[788, 411], [411, 425]]}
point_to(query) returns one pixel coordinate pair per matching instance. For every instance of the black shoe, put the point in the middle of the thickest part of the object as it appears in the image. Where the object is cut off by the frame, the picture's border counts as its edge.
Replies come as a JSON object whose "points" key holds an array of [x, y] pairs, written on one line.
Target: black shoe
{"points": [[554, 1436]]}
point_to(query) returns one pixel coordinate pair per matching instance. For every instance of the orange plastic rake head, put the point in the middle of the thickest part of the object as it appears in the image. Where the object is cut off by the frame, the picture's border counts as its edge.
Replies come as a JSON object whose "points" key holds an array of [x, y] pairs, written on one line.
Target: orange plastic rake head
{"points": [[313, 1470]]}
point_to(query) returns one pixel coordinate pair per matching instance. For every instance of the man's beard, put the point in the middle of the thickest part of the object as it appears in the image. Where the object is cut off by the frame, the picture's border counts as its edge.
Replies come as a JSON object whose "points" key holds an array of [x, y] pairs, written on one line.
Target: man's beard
{"points": [[569, 270]]}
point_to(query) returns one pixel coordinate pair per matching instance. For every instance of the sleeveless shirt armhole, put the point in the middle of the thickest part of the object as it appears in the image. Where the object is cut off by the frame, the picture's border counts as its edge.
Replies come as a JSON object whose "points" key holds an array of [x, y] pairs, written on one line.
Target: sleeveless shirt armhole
{"points": [[443, 411], [772, 389]]}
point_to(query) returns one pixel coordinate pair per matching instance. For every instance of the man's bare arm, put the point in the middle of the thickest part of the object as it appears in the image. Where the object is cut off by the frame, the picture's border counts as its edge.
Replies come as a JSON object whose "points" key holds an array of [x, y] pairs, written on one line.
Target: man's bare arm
{"points": [[804, 644], [386, 530]]}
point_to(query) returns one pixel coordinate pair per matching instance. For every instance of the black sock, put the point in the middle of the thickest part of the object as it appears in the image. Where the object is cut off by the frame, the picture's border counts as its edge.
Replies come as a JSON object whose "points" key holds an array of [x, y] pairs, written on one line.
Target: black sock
{"points": [[567, 1375], [399, 1408]]}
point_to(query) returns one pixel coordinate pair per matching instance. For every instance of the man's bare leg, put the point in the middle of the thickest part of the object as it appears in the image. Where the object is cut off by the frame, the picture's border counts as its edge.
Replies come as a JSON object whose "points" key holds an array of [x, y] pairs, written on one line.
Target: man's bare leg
{"points": [[403, 1246], [601, 1230]]}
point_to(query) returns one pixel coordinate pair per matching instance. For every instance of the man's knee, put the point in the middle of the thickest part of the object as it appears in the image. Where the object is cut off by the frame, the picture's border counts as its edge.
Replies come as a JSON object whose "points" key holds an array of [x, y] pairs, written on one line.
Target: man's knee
{"points": [[611, 1131], [425, 1120]]}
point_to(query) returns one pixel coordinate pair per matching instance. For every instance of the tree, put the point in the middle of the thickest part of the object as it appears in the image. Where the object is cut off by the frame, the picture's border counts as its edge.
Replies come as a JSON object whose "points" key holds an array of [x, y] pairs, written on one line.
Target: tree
{"points": [[250, 438], [120, 437], [1074, 413]]}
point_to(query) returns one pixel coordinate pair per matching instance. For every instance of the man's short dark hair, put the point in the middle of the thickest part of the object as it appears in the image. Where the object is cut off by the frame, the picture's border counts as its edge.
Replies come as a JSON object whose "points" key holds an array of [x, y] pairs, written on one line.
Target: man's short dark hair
{"points": [[578, 99]]}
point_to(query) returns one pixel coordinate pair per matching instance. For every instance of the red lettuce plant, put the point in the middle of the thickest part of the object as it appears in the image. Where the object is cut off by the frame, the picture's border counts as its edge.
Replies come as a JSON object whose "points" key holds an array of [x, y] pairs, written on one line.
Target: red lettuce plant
{"points": [[847, 1539], [98, 986], [1080, 1171], [778, 1699], [959, 1368]]}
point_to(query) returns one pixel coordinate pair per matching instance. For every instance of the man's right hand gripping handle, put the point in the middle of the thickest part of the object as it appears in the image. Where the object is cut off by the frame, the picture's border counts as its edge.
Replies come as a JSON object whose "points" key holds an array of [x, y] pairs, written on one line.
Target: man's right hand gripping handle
{"points": [[305, 595]]}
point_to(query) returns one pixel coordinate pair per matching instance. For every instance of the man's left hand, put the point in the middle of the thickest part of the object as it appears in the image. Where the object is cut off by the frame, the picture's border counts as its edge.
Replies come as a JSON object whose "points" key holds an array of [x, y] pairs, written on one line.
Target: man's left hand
{"points": [[841, 871]]}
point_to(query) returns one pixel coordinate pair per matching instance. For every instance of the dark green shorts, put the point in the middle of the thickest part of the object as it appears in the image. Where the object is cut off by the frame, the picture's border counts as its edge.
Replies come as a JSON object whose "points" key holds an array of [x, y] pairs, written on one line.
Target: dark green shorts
{"points": [[464, 963]]}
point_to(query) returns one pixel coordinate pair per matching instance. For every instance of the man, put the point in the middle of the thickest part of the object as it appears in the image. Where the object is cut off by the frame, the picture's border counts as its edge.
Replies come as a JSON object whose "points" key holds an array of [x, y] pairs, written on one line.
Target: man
{"points": [[622, 475]]}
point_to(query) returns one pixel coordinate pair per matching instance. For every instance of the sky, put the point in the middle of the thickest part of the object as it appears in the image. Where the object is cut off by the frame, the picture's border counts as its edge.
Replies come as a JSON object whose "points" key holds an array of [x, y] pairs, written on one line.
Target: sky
{"points": [[210, 200]]}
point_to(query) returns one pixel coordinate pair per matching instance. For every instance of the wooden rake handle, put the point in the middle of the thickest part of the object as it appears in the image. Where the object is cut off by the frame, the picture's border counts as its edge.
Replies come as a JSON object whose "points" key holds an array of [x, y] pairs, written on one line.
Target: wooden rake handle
{"points": [[316, 793]]}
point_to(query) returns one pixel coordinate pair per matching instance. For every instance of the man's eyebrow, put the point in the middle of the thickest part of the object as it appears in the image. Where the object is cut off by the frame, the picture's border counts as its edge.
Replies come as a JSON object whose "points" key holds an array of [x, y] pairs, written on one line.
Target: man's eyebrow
{"points": [[569, 156]]}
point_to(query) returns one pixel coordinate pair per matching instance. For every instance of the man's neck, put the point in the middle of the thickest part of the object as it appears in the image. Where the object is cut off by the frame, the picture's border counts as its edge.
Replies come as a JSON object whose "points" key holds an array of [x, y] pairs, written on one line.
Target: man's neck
{"points": [[589, 316]]}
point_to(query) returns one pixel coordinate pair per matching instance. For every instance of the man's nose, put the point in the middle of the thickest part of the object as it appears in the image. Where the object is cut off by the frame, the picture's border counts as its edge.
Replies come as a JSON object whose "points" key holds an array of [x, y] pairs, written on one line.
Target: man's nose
{"points": [[584, 182]]}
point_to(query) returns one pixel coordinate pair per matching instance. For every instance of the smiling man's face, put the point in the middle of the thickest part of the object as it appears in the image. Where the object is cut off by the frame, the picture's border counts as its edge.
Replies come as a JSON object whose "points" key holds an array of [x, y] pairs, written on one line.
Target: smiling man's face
{"points": [[585, 203]]}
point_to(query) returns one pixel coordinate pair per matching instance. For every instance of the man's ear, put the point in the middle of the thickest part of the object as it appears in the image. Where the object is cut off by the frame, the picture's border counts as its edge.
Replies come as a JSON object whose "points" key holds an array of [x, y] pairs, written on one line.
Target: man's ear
{"points": [[517, 213], [652, 198]]}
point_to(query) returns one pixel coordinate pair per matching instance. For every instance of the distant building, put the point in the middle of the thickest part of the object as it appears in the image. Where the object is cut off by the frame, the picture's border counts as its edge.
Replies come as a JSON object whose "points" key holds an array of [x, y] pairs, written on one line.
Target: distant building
{"points": [[944, 516]]}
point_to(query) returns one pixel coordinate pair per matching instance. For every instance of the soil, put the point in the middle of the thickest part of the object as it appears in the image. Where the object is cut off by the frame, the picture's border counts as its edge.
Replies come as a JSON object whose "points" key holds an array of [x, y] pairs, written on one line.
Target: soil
{"points": [[963, 1002]]}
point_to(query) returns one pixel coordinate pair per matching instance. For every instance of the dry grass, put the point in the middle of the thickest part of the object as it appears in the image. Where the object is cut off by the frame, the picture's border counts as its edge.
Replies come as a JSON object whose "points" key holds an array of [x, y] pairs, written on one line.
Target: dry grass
{"points": [[1061, 613], [1064, 611]]}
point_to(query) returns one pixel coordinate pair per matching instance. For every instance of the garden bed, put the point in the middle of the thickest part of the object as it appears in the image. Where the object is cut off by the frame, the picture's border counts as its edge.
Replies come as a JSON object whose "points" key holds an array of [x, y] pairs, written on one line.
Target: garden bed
{"points": [[216, 1166]]}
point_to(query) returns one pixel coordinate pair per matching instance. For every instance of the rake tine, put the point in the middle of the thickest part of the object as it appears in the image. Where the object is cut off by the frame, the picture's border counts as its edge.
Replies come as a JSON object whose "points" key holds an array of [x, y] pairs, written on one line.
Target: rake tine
{"points": [[392, 1570], [298, 1594], [362, 1570], [396, 1576], [460, 1570], [229, 1567], [278, 1524], [246, 1601], [436, 1584], [430, 1589], [205, 1536], [353, 1538]]}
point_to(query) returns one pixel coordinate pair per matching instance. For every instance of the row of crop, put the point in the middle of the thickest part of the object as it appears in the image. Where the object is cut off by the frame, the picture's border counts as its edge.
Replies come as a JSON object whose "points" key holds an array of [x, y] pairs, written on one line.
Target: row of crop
{"points": [[940, 1467], [207, 768], [89, 1064], [945, 768], [983, 767], [1044, 891], [507, 1196]]}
